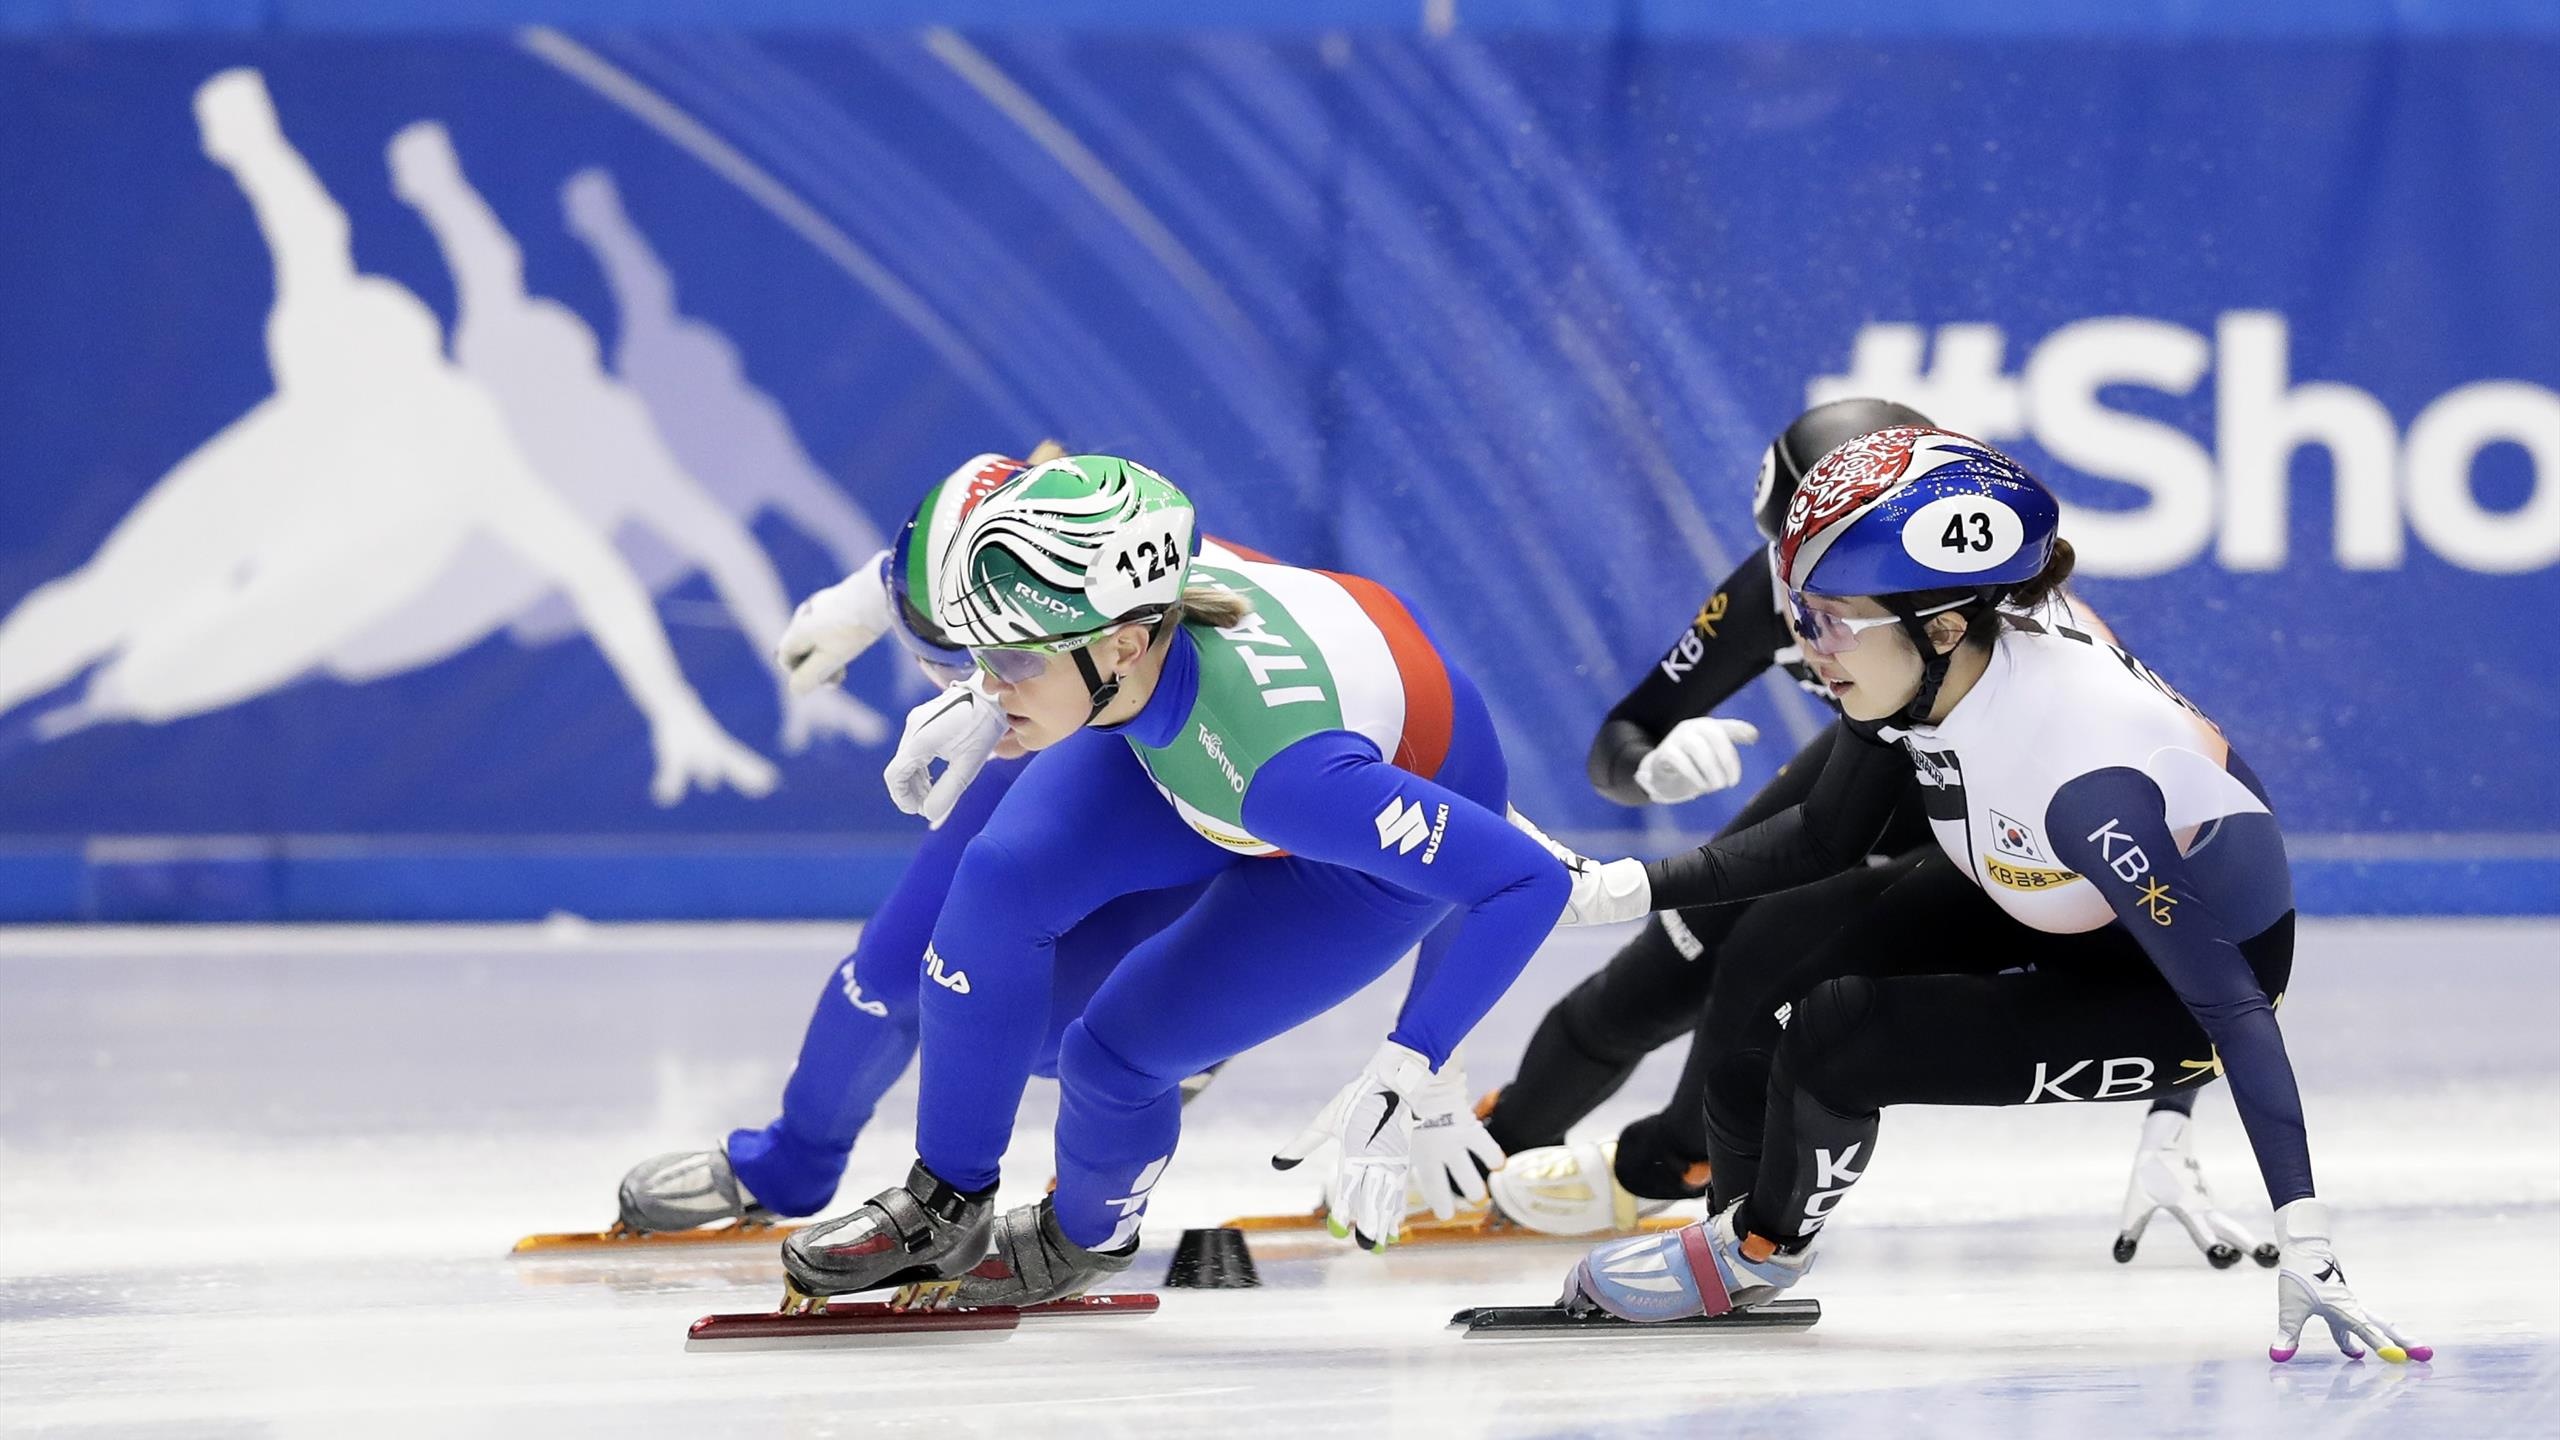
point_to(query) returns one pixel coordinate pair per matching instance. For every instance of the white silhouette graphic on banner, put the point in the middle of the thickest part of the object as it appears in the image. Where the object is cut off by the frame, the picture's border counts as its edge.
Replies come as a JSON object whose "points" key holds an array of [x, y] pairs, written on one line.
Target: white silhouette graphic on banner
{"points": [[331, 506], [731, 436], [589, 436]]}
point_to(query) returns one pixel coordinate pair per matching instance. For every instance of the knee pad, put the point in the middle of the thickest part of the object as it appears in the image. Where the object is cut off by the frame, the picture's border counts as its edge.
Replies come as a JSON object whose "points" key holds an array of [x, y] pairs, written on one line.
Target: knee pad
{"points": [[1823, 1051]]}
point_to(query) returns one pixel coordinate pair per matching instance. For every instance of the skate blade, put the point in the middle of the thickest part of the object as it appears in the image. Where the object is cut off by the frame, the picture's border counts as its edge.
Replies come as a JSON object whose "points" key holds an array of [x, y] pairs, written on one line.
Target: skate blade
{"points": [[872, 1323], [1483, 1227], [736, 1232], [1500, 1322]]}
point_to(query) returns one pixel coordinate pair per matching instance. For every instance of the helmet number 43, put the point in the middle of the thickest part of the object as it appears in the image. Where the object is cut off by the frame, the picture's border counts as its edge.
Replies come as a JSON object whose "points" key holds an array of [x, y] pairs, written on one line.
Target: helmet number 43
{"points": [[1962, 534], [1956, 537]]}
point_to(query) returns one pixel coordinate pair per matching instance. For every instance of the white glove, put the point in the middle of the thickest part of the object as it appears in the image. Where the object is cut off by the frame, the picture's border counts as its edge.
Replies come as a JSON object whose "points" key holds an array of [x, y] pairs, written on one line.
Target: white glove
{"points": [[2310, 1282], [1399, 1118], [1604, 891], [1696, 758], [833, 626], [959, 727], [2167, 1177]]}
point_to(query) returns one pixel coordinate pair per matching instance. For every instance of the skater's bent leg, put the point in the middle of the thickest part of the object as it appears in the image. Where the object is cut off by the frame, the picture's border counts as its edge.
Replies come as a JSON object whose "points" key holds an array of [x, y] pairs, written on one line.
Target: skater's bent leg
{"points": [[1664, 1155], [1270, 945], [1649, 994], [863, 1031], [1088, 953], [1895, 916], [1083, 826], [2092, 1020], [1591, 1040]]}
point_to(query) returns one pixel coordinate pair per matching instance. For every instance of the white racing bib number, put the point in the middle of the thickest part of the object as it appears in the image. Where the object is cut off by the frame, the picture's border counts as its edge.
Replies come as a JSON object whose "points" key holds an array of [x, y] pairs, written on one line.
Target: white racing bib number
{"points": [[1962, 534]]}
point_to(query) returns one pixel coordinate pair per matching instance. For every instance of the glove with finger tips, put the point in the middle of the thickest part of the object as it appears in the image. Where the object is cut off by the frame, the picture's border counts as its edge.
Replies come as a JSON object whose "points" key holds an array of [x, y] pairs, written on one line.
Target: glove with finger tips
{"points": [[834, 626], [959, 727], [1604, 891], [1397, 1119], [1697, 758], [2311, 1283], [2167, 1179]]}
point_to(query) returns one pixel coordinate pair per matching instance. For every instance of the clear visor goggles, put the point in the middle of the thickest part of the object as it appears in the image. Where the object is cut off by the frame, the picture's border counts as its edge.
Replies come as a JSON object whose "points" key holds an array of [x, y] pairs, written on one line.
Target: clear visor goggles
{"points": [[1014, 664], [1826, 633]]}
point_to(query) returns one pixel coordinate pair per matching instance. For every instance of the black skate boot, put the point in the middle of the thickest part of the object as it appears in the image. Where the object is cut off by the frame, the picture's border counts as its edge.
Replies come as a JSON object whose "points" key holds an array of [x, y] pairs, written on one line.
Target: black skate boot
{"points": [[1034, 1262], [686, 1190], [922, 1231]]}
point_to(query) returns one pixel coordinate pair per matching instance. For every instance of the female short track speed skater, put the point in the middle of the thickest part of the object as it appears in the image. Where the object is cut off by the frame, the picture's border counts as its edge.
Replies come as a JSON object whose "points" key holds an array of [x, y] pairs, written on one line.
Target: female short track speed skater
{"points": [[863, 1031], [2112, 913], [1662, 744], [1291, 739]]}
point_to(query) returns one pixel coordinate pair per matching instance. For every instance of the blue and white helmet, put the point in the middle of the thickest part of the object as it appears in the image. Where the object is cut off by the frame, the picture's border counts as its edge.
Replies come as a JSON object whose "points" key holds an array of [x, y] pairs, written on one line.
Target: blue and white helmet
{"points": [[1912, 508]]}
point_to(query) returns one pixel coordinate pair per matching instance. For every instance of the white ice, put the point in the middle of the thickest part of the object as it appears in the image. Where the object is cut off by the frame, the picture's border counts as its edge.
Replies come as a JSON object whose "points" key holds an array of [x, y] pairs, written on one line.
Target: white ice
{"points": [[263, 1182]]}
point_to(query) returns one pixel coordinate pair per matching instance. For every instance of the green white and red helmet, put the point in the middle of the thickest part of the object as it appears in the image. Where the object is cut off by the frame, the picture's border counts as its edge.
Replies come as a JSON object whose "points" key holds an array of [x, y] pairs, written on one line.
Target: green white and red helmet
{"points": [[926, 535], [1047, 560]]}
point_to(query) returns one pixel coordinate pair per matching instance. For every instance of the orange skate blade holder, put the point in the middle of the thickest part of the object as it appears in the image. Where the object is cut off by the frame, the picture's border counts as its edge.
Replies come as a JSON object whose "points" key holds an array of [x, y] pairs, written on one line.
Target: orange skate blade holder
{"points": [[736, 1232]]}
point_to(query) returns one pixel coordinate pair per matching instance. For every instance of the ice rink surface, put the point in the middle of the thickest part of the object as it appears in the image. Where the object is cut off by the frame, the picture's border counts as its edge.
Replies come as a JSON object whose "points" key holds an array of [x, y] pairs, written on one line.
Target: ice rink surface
{"points": [[260, 1182]]}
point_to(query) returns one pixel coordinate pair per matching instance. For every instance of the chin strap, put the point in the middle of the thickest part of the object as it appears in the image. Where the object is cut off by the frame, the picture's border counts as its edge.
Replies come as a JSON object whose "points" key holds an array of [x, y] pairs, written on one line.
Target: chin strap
{"points": [[1933, 670], [1933, 661], [1100, 691]]}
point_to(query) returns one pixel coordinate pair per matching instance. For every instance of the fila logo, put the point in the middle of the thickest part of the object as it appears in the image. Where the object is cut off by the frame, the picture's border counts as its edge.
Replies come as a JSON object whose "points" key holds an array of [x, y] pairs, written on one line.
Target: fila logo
{"points": [[876, 1009], [1831, 1180], [2122, 1076], [955, 981], [1402, 826], [1786, 1012], [2122, 855]]}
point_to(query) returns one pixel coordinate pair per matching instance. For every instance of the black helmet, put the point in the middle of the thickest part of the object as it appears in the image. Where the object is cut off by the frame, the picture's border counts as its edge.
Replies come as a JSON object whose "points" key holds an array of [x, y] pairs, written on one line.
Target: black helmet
{"points": [[1816, 433]]}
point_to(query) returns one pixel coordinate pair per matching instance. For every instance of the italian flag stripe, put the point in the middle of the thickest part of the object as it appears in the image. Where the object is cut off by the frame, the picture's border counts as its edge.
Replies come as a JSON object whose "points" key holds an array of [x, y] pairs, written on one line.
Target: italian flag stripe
{"points": [[1428, 711], [1241, 552]]}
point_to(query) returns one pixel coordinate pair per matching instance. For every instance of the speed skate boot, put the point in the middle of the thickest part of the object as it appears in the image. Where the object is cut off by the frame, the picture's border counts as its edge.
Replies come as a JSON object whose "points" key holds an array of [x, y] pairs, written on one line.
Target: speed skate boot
{"points": [[1034, 1262], [1700, 1269], [917, 1235], [1575, 1190], [686, 1190]]}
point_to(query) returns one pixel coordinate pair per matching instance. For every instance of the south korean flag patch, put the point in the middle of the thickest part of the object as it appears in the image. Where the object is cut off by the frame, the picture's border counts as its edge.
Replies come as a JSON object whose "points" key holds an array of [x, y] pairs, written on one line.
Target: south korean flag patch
{"points": [[2014, 840]]}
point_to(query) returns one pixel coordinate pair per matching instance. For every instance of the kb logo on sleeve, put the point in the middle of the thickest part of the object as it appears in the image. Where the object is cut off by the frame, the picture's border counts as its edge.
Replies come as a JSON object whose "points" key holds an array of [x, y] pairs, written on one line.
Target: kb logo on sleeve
{"points": [[2125, 858]]}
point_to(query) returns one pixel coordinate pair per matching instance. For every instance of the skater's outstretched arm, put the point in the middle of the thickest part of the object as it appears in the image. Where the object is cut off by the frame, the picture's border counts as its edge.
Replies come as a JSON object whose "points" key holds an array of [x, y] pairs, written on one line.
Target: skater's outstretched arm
{"points": [[2196, 914], [1727, 644]]}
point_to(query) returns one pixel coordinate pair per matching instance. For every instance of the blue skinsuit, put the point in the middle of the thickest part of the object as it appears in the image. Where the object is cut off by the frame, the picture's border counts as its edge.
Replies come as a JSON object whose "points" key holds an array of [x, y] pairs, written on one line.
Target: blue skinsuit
{"points": [[864, 1029], [1272, 941]]}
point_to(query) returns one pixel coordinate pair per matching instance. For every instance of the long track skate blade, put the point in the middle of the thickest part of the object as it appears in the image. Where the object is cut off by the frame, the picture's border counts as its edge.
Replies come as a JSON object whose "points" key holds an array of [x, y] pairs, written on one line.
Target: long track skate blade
{"points": [[1507, 1321], [1478, 1229], [844, 1324], [559, 1242]]}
